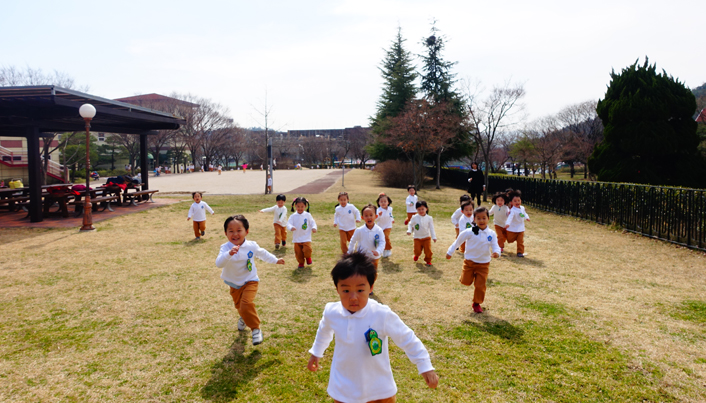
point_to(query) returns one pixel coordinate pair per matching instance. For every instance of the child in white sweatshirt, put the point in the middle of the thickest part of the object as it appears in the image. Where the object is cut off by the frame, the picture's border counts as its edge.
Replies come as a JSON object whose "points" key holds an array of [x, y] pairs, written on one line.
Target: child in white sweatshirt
{"points": [[237, 259], [302, 225], [197, 211], [515, 224], [385, 219], [279, 220], [422, 225], [360, 369], [411, 203], [368, 238], [345, 217], [476, 265], [500, 211], [456, 216]]}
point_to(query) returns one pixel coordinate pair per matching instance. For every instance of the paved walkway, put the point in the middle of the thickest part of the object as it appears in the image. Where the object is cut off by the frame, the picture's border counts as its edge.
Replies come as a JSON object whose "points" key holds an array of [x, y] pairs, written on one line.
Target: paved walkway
{"points": [[237, 182]]}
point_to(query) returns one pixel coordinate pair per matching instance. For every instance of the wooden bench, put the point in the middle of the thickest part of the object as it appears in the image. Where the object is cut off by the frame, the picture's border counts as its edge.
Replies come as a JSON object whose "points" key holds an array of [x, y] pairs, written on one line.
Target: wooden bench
{"points": [[134, 196], [10, 201], [95, 201]]}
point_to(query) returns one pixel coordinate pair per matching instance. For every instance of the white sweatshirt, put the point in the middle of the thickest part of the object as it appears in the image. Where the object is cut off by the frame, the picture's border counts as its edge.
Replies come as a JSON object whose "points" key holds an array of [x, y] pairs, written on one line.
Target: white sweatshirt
{"points": [[456, 216], [239, 268], [516, 219], [357, 376], [499, 215], [477, 246], [411, 203], [384, 217], [465, 222], [197, 211], [346, 217], [368, 240], [280, 214], [303, 223], [422, 227]]}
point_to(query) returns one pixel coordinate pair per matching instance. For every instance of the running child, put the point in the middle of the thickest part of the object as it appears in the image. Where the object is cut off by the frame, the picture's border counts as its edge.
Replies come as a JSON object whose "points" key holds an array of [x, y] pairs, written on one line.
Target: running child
{"points": [[515, 224], [370, 238], [345, 217], [360, 369], [466, 220], [411, 203], [269, 184], [480, 240], [197, 211], [422, 225], [302, 225], [237, 259], [279, 220], [385, 219], [457, 215], [499, 211]]}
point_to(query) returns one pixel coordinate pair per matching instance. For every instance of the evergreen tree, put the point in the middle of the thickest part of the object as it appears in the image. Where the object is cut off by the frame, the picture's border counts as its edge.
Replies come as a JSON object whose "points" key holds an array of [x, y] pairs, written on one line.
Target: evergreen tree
{"points": [[398, 89], [650, 134]]}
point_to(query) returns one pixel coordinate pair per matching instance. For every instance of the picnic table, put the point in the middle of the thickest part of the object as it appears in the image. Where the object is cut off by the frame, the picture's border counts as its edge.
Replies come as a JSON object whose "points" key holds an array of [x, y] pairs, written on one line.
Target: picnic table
{"points": [[14, 197], [61, 196], [132, 193], [99, 196]]}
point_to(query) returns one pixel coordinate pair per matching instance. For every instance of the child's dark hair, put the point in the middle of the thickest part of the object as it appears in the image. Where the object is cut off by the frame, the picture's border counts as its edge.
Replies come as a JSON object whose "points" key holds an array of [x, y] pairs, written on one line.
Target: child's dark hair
{"points": [[195, 193], [281, 197], [500, 195], [412, 187], [481, 210], [353, 265], [301, 199], [370, 206], [513, 194], [421, 203], [467, 203], [464, 198], [380, 196], [238, 217]]}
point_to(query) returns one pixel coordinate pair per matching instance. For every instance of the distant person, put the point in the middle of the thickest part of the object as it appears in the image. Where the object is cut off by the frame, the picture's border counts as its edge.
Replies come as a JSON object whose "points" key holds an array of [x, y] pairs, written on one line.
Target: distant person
{"points": [[269, 184], [245, 167], [237, 259], [476, 183], [422, 225], [515, 224], [458, 214], [197, 211], [279, 220], [360, 369], [345, 216], [220, 168]]}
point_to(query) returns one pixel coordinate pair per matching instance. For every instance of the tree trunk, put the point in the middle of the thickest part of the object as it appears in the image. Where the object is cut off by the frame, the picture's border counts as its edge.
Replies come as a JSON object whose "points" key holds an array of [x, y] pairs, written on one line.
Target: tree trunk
{"points": [[486, 179], [438, 169], [573, 170], [585, 171]]}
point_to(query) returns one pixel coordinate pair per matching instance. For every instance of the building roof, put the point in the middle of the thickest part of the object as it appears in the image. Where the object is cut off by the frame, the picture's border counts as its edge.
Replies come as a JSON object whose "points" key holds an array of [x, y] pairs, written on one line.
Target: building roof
{"points": [[702, 116], [54, 109], [154, 99]]}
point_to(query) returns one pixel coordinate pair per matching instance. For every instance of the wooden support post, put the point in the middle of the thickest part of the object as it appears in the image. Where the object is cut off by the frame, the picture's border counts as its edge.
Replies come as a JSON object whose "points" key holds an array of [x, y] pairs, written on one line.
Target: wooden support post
{"points": [[35, 175]]}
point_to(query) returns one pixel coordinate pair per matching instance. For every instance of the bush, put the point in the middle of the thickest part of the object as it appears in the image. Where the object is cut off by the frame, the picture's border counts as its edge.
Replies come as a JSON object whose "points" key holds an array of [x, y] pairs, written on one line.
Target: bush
{"points": [[395, 173]]}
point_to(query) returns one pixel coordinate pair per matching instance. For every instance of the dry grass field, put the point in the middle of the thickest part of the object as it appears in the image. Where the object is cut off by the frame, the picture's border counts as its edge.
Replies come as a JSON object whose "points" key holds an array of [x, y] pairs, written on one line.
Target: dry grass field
{"points": [[136, 311]]}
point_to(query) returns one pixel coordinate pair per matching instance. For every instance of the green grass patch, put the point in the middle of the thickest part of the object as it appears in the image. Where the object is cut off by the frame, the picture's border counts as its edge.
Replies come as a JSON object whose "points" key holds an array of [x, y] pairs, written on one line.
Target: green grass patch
{"points": [[693, 311]]}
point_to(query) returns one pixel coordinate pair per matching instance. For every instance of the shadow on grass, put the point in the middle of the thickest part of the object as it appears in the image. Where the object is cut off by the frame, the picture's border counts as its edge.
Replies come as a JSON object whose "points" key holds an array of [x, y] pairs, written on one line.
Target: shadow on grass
{"points": [[234, 370], [489, 324], [430, 271], [301, 275], [279, 253], [389, 266], [525, 261], [193, 242]]}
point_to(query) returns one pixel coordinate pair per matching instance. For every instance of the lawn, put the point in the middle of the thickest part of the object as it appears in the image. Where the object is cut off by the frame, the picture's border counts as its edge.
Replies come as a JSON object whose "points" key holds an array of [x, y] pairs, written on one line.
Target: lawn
{"points": [[136, 311]]}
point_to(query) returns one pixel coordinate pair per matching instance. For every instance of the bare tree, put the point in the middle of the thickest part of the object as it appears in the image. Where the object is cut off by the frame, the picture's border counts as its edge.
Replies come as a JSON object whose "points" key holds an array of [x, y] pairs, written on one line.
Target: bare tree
{"points": [[492, 116], [584, 130], [548, 141], [359, 139]]}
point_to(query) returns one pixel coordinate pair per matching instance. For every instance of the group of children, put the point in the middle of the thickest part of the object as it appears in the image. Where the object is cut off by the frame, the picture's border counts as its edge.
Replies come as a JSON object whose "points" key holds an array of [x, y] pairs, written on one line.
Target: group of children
{"points": [[360, 325]]}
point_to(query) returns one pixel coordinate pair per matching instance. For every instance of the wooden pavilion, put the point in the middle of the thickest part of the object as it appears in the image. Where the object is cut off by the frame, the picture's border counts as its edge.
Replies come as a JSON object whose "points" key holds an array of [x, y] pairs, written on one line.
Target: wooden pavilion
{"points": [[31, 111]]}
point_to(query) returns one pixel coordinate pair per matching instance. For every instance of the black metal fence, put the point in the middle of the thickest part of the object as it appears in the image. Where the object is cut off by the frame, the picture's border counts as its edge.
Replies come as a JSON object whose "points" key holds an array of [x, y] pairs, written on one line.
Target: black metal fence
{"points": [[675, 215]]}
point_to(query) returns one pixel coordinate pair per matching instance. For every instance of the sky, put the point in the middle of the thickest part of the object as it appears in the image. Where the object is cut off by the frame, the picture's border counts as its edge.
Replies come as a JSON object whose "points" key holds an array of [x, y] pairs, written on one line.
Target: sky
{"points": [[315, 64]]}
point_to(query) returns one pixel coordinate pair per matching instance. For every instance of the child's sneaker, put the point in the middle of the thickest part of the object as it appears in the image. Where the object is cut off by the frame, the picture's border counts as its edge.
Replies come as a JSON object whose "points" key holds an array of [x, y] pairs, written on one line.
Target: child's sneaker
{"points": [[429, 264], [301, 266], [476, 309], [241, 324], [203, 233], [416, 258], [284, 243], [520, 255], [389, 253], [256, 337], [308, 260], [198, 238], [276, 246]]}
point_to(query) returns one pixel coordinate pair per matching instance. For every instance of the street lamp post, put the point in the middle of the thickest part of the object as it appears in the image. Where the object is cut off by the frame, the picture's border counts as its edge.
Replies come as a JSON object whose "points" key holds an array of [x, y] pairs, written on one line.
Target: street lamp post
{"points": [[87, 112]]}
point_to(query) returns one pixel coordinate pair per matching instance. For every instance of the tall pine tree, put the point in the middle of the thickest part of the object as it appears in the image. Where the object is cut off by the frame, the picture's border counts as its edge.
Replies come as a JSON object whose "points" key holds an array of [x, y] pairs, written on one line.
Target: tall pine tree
{"points": [[650, 133], [398, 89]]}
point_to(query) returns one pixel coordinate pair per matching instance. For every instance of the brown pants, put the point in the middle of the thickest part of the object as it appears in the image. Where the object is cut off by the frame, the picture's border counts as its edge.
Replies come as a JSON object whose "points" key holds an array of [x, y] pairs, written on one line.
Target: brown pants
{"points": [[388, 244], [476, 274], [244, 299], [502, 235], [198, 227], [409, 217], [345, 238], [425, 244], [302, 251], [392, 399], [463, 245], [280, 234], [519, 237]]}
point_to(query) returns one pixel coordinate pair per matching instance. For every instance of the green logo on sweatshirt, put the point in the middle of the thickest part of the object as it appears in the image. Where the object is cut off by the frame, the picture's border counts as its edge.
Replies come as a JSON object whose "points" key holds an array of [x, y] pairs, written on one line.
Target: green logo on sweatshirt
{"points": [[304, 226], [374, 342], [416, 226], [249, 265]]}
